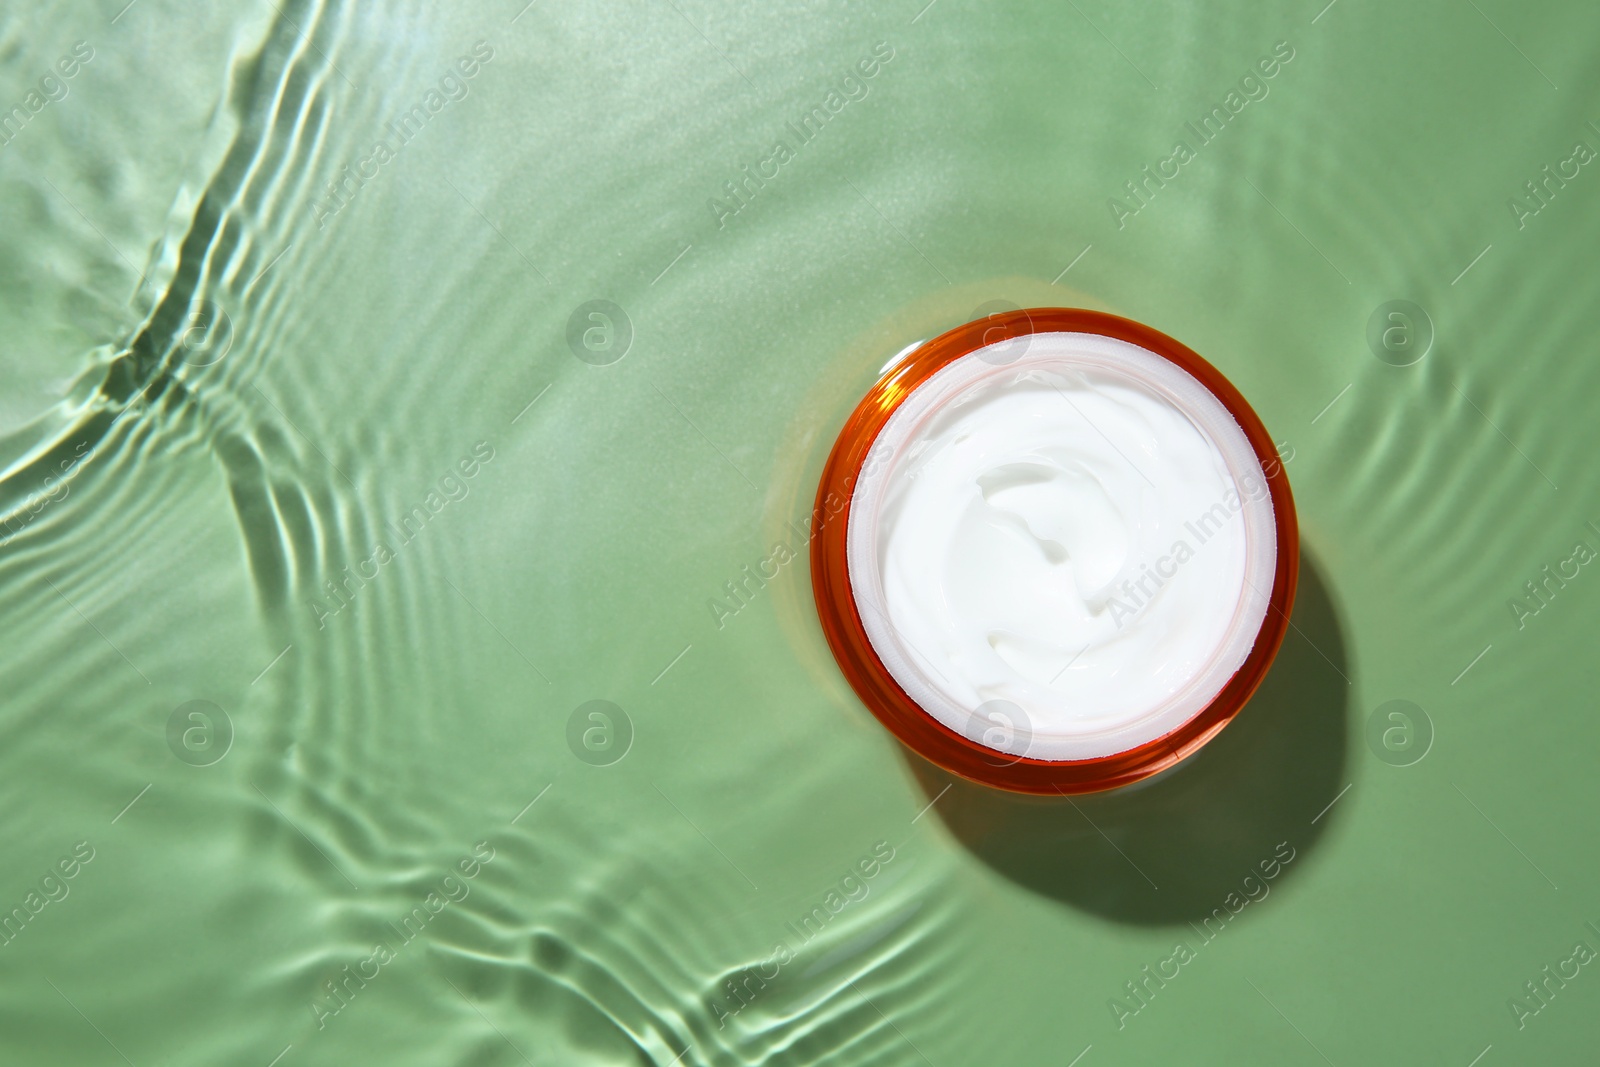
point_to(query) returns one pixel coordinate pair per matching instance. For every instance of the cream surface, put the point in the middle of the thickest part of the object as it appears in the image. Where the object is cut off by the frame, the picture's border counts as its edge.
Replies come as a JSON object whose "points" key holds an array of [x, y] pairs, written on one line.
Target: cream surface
{"points": [[1067, 554]]}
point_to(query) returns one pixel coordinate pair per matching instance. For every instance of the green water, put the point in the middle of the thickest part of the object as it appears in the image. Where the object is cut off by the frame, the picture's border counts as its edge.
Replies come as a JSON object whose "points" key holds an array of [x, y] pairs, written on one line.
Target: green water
{"points": [[397, 831]]}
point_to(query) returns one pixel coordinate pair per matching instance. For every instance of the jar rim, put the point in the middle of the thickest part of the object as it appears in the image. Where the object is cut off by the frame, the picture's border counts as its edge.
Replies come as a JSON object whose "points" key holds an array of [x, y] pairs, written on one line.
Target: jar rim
{"points": [[866, 671]]}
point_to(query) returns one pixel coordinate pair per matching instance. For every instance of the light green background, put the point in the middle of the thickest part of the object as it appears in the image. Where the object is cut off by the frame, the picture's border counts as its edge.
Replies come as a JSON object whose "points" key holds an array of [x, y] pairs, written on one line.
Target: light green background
{"points": [[339, 373]]}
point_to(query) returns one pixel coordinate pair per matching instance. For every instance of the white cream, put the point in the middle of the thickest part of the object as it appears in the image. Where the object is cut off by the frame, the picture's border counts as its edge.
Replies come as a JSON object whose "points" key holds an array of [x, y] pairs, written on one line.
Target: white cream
{"points": [[1063, 555]]}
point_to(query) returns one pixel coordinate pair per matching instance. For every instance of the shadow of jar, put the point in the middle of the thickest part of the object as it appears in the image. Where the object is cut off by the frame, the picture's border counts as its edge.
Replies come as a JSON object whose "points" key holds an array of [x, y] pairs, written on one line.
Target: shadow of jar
{"points": [[1171, 849]]}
